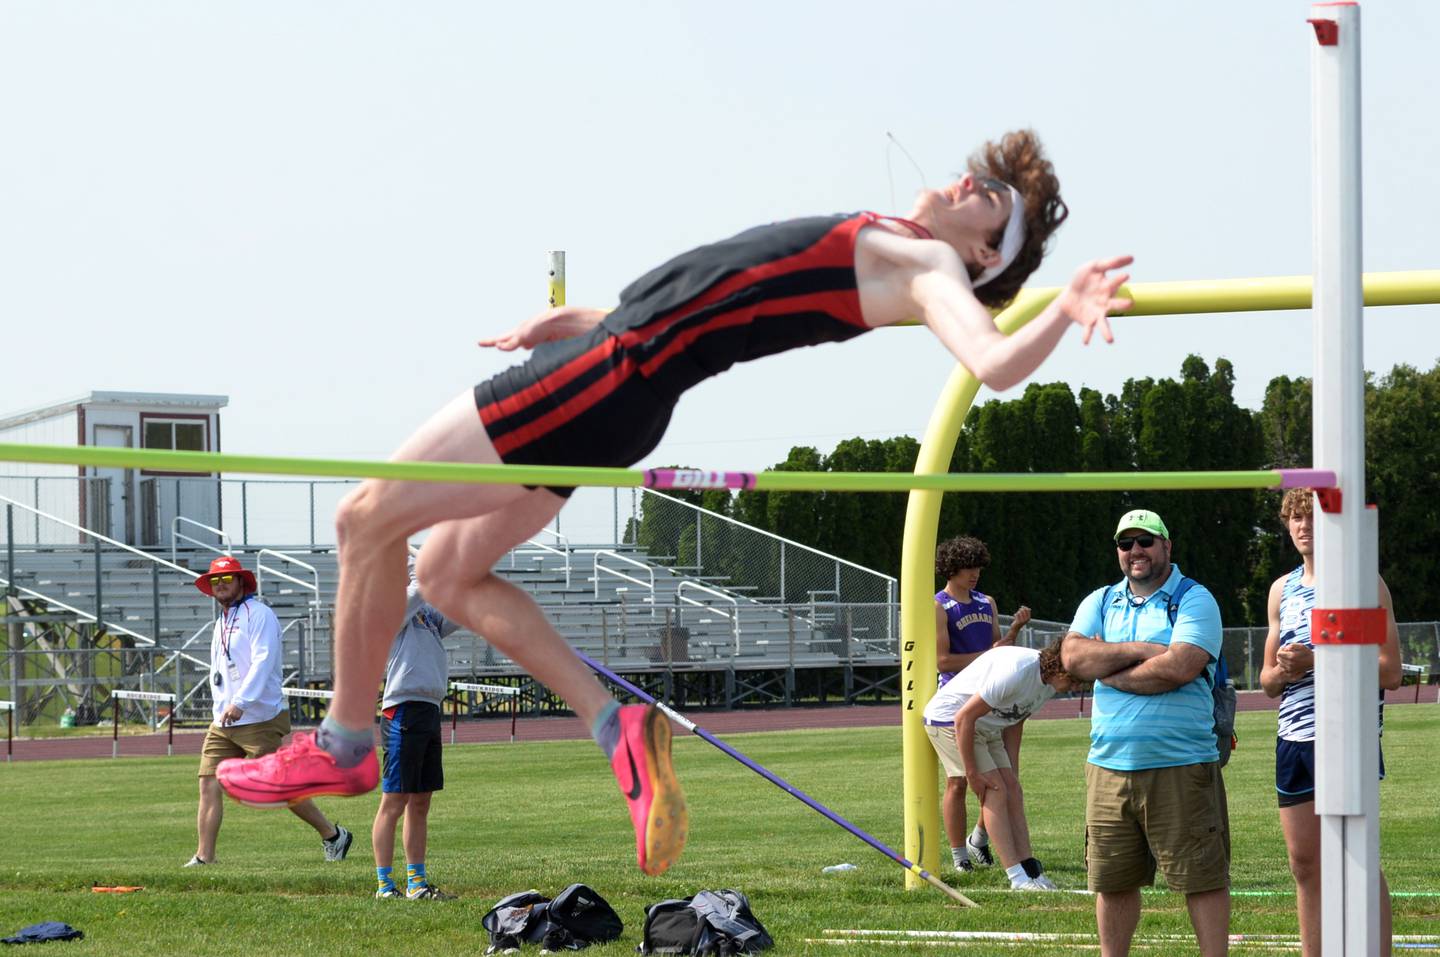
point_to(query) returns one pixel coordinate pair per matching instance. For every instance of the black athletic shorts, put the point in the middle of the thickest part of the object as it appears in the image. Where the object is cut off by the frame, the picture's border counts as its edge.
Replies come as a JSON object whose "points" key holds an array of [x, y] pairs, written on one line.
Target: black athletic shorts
{"points": [[580, 401], [1295, 771], [410, 733]]}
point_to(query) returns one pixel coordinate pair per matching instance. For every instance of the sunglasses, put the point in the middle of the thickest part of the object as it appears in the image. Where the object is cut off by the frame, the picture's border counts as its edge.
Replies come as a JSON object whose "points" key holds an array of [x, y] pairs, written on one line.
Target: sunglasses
{"points": [[1144, 541], [221, 579]]}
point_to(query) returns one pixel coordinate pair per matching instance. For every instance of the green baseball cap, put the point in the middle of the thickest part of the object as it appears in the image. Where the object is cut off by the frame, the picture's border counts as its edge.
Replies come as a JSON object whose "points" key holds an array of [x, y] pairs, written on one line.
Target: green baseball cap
{"points": [[1142, 518]]}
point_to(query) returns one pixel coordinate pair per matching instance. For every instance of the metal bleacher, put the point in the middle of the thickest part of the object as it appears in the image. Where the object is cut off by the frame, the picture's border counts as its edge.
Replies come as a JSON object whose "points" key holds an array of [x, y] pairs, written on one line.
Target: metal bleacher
{"points": [[692, 638]]}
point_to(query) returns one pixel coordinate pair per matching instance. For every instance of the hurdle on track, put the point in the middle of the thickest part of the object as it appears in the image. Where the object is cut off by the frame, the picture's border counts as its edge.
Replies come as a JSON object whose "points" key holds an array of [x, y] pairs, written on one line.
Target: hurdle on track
{"points": [[116, 697], [473, 688], [314, 693], [513, 693], [9, 708], [307, 693]]}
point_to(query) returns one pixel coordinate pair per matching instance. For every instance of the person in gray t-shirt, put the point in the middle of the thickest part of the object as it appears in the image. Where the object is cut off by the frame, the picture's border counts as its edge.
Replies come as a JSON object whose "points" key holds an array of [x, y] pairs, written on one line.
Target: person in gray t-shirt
{"points": [[417, 677]]}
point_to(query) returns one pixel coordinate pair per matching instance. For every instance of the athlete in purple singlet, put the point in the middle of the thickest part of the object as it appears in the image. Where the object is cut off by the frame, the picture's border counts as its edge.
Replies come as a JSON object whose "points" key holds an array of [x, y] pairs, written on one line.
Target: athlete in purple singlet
{"points": [[966, 627]]}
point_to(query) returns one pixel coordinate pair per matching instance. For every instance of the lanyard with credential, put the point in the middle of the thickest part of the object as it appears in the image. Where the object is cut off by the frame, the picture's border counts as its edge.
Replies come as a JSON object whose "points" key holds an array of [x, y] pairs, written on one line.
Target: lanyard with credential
{"points": [[225, 624]]}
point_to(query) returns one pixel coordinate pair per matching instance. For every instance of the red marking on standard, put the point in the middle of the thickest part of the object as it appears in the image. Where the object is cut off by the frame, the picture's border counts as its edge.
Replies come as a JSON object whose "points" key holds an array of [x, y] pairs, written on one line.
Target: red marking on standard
{"points": [[1329, 499], [1347, 626], [1327, 32]]}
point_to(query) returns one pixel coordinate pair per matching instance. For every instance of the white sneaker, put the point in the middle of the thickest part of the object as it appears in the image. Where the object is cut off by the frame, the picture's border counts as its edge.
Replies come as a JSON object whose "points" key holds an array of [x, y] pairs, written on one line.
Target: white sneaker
{"points": [[1045, 882], [197, 861], [1033, 884], [980, 854], [338, 846]]}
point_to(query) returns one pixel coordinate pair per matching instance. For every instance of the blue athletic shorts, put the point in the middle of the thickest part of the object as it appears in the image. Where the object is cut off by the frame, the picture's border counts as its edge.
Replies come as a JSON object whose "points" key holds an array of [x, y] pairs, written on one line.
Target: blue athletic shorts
{"points": [[1295, 771], [410, 734]]}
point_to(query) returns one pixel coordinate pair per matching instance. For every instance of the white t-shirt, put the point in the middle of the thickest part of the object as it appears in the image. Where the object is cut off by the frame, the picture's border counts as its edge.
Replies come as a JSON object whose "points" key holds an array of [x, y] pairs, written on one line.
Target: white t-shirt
{"points": [[1008, 678]]}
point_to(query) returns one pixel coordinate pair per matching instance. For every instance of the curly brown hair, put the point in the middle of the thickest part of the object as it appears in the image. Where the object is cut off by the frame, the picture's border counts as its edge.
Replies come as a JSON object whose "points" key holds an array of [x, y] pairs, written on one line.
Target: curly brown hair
{"points": [[1050, 664], [960, 552], [1019, 159], [1297, 503]]}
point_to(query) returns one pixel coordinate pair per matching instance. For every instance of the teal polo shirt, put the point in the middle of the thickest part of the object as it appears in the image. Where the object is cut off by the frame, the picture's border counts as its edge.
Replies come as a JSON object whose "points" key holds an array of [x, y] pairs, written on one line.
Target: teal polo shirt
{"points": [[1132, 732]]}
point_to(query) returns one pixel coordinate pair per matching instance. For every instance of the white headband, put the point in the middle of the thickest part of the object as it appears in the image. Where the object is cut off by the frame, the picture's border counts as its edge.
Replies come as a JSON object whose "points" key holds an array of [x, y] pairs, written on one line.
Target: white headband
{"points": [[1013, 239]]}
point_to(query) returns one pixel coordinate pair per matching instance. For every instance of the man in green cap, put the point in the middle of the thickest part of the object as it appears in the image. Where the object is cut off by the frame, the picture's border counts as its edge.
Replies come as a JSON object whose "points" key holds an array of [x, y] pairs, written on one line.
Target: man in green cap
{"points": [[1154, 795]]}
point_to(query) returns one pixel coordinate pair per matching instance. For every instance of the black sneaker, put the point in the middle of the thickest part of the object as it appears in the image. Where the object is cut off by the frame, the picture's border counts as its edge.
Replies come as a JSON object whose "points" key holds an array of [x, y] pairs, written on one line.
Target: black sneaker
{"points": [[979, 853], [557, 940], [338, 846], [504, 944]]}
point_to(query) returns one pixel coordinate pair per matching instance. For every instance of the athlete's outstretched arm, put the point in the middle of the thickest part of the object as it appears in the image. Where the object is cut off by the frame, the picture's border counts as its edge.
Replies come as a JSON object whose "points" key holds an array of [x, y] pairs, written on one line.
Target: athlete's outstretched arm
{"points": [[950, 310], [902, 278], [561, 322]]}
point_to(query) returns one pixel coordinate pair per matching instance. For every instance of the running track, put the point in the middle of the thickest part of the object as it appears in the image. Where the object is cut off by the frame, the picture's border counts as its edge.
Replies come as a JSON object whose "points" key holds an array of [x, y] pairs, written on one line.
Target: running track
{"points": [[187, 741]]}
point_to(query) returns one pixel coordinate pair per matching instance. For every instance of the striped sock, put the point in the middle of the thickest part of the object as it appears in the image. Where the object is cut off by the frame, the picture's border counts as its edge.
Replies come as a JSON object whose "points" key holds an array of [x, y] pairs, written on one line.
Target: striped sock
{"points": [[415, 876]]}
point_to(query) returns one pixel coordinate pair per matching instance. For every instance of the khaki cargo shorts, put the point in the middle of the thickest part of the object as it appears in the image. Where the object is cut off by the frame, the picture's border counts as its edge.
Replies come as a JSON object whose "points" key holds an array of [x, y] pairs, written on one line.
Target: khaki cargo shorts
{"points": [[1173, 819], [242, 741], [990, 751]]}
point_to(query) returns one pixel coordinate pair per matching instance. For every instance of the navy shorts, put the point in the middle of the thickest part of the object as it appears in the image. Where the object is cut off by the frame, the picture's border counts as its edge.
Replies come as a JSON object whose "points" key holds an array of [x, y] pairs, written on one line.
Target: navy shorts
{"points": [[410, 734], [580, 401], [1295, 771]]}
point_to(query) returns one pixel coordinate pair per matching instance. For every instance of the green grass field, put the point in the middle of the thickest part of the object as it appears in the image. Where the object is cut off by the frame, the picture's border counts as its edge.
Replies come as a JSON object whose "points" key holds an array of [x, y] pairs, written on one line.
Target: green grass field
{"points": [[543, 815]]}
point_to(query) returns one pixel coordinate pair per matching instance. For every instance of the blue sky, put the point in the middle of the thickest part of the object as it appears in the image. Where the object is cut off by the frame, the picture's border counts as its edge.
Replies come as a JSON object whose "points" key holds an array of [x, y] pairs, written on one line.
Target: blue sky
{"points": [[317, 207]]}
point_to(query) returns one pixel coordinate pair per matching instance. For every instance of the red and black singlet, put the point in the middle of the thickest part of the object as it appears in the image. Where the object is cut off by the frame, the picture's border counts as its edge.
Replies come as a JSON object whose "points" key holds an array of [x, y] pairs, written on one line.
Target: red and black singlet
{"points": [[604, 398]]}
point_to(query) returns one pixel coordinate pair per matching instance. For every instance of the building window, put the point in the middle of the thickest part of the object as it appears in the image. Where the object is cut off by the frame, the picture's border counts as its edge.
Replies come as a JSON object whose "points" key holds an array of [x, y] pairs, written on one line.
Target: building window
{"points": [[178, 435]]}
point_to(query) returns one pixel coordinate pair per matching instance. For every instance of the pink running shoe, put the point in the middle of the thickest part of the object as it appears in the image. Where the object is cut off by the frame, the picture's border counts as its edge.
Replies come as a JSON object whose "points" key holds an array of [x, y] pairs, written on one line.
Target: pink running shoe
{"points": [[297, 771], [657, 805]]}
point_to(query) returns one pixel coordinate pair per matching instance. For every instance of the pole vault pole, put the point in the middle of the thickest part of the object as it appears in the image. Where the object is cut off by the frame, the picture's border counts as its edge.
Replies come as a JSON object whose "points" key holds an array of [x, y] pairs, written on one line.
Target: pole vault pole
{"points": [[776, 780], [1347, 626]]}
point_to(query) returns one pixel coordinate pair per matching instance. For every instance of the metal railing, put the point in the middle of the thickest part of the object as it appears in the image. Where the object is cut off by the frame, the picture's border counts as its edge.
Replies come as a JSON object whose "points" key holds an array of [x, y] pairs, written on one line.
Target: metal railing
{"points": [[597, 569], [733, 614], [176, 537], [313, 604], [539, 547], [741, 558], [99, 541], [77, 498]]}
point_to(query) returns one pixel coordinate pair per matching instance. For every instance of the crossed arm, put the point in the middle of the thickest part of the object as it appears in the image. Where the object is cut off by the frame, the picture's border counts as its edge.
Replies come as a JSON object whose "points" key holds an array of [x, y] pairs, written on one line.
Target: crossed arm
{"points": [[1139, 667], [1285, 665]]}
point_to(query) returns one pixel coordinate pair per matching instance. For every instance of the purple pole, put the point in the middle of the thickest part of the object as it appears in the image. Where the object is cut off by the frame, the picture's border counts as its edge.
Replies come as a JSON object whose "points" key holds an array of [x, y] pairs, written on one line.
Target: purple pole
{"points": [[779, 782]]}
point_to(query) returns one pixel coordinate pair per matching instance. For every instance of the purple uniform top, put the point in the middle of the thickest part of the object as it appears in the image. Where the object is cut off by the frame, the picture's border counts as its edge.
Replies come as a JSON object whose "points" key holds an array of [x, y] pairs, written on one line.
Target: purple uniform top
{"points": [[971, 625]]}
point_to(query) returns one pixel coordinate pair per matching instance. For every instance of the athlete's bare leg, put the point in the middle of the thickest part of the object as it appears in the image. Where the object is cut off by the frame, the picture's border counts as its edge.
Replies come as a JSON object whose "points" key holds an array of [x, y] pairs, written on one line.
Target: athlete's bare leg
{"points": [[373, 525], [455, 576]]}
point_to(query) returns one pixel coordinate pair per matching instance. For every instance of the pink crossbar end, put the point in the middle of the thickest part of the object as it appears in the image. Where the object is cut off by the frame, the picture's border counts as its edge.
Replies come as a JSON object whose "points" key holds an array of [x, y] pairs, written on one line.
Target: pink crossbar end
{"points": [[697, 479], [1307, 478]]}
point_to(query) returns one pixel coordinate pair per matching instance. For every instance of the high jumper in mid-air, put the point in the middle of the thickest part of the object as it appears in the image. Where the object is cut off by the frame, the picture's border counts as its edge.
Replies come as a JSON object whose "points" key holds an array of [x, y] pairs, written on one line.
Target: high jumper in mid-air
{"points": [[599, 390]]}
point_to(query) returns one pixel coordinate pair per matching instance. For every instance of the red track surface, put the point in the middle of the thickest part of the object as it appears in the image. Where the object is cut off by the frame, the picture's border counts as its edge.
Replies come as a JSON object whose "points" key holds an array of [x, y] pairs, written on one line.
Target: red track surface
{"points": [[719, 723]]}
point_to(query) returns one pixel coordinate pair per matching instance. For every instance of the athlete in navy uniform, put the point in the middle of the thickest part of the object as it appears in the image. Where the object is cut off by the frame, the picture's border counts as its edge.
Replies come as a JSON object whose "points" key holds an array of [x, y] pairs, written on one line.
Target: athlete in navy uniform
{"points": [[599, 391], [1288, 672]]}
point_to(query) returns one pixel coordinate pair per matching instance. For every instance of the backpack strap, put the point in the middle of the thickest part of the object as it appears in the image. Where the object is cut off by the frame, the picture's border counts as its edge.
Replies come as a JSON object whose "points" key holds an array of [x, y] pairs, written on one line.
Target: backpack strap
{"points": [[1180, 590], [1222, 673]]}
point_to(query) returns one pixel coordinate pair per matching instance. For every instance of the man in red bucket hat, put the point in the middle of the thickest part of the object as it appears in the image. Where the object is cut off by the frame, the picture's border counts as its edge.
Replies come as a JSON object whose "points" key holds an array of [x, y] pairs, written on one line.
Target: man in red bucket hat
{"points": [[250, 718]]}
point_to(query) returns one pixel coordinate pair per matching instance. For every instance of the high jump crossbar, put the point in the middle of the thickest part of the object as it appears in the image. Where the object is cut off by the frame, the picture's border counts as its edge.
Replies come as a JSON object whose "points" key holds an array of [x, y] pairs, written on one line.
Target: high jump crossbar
{"points": [[460, 472]]}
